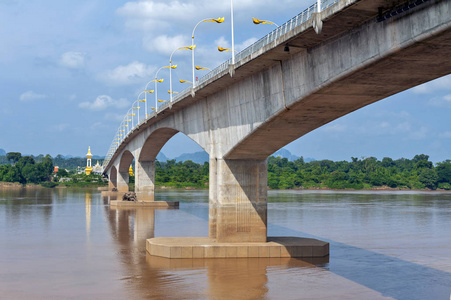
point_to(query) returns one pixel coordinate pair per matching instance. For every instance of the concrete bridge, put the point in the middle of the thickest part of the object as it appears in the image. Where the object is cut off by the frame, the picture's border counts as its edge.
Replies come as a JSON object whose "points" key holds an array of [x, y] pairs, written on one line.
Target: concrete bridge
{"points": [[352, 54]]}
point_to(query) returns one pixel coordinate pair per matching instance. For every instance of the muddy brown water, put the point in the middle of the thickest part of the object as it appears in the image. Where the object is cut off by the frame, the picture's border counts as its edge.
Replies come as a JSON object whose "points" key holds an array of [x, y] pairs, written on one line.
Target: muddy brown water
{"points": [[69, 244]]}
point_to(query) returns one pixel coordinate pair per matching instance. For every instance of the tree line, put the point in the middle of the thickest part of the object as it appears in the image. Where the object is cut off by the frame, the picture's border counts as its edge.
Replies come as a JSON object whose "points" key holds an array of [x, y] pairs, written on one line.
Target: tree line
{"points": [[25, 169], [364, 173], [416, 173], [181, 174]]}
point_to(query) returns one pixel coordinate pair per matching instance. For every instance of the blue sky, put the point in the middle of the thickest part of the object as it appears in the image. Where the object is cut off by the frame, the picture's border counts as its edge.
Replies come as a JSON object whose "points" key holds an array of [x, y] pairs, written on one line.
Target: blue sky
{"points": [[69, 71]]}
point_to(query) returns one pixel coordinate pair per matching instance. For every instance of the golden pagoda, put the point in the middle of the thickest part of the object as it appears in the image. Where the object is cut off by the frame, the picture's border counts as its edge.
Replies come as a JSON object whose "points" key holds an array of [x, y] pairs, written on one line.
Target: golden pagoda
{"points": [[88, 169], [130, 171]]}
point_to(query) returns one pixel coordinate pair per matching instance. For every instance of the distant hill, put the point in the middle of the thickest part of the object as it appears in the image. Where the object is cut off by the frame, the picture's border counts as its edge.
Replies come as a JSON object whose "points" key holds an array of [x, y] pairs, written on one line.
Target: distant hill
{"points": [[2, 152], [284, 153], [202, 156], [197, 157], [161, 157]]}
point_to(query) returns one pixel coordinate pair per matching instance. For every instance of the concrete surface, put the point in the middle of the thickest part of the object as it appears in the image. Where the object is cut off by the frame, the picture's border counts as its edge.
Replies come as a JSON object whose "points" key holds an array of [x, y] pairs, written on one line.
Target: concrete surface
{"points": [[202, 247]]}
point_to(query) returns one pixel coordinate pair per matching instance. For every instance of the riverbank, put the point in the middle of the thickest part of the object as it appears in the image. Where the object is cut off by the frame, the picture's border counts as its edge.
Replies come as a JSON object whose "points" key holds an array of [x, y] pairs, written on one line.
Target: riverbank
{"points": [[15, 185]]}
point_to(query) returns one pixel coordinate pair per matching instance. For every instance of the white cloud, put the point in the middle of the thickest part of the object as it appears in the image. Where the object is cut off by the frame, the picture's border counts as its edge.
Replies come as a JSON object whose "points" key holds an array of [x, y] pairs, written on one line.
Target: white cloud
{"points": [[222, 42], [103, 102], [31, 96], [335, 128], [61, 127], [114, 117], [442, 83], [72, 60], [97, 126], [132, 73], [245, 44], [444, 102], [419, 134], [164, 44], [445, 135], [154, 16]]}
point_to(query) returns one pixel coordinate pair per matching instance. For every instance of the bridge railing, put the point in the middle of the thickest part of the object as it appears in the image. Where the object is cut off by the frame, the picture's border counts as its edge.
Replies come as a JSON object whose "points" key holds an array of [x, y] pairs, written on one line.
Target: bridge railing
{"points": [[294, 22]]}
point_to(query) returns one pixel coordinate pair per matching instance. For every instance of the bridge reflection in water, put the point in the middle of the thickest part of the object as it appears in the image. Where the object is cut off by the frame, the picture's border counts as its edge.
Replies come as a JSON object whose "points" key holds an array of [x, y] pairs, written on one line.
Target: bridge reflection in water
{"points": [[158, 277]]}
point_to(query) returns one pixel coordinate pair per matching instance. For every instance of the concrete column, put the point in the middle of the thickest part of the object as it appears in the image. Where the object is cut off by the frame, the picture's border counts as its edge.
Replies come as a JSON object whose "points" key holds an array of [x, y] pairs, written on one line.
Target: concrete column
{"points": [[112, 179], [145, 180], [238, 204], [122, 181]]}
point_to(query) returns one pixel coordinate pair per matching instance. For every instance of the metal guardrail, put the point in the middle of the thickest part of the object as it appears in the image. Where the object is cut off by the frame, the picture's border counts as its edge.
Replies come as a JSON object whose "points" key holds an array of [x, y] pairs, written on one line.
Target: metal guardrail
{"points": [[296, 21]]}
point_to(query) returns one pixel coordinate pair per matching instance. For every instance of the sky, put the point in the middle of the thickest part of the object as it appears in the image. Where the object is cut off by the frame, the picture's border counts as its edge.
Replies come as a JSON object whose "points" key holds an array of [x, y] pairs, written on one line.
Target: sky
{"points": [[70, 70]]}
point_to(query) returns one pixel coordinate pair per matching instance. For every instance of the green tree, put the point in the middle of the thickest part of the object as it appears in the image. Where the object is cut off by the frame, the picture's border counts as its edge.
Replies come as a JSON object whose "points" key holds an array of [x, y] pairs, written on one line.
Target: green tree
{"points": [[444, 171], [13, 156], [429, 178], [13, 175]]}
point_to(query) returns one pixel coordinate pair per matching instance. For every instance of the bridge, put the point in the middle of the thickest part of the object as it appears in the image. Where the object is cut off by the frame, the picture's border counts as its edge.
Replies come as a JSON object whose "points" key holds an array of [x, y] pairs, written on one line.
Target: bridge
{"points": [[310, 71]]}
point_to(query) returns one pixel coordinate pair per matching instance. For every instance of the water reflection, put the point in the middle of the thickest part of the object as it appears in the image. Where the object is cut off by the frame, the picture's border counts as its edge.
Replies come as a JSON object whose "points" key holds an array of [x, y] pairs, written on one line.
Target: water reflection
{"points": [[62, 242], [22, 205], [158, 277], [234, 278], [88, 203]]}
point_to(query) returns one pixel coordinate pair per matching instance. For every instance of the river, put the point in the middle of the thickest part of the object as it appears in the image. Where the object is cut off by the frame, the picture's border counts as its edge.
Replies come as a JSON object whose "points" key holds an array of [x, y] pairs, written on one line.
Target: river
{"points": [[69, 244]]}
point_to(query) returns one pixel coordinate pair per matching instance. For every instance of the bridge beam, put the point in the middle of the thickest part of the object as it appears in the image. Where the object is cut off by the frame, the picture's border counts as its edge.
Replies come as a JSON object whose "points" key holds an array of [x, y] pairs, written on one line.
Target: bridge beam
{"points": [[238, 200], [145, 180]]}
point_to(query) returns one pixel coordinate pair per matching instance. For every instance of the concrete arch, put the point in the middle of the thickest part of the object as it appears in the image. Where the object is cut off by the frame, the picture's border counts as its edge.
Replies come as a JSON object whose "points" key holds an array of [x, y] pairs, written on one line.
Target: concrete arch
{"points": [[112, 183], [125, 161], [155, 142]]}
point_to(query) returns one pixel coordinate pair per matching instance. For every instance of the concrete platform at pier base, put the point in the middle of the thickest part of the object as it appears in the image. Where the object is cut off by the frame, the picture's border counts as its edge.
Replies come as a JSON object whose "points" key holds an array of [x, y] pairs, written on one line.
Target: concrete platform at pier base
{"points": [[203, 247], [151, 204]]}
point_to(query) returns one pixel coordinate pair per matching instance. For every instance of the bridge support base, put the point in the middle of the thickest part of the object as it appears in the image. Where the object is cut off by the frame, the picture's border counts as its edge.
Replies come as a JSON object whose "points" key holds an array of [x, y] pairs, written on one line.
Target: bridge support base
{"points": [[203, 247], [154, 204]]}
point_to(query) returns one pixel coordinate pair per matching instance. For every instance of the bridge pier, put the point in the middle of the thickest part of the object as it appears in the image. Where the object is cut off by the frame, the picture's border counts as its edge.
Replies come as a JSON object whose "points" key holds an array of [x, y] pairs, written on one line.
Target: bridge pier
{"points": [[145, 180], [237, 220], [238, 205], [112, 179], [122, 181]]}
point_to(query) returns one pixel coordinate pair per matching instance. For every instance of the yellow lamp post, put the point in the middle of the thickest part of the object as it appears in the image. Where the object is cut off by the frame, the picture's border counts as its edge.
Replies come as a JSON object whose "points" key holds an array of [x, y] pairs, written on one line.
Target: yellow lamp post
{"points": [[258, 21], [170, 65], [145, 95], [137, 108], [156, 80], [221, 49], [130, 114], [201, 68], [141, 100], [218, 20]]}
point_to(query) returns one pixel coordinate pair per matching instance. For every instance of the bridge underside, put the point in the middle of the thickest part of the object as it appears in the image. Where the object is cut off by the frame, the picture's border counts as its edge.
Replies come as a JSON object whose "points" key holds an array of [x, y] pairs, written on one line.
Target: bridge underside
{"points": [[411, 62]]}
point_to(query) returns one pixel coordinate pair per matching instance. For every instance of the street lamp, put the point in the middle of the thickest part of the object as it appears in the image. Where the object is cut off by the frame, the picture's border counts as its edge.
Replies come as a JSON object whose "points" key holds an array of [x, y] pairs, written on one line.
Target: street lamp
{"points": [[218, 20], [258, 21], [131, 115], [145, 94], [221, 49], [137, 107], [170, 65], [141, 100], [156, 80], [201, 68]]}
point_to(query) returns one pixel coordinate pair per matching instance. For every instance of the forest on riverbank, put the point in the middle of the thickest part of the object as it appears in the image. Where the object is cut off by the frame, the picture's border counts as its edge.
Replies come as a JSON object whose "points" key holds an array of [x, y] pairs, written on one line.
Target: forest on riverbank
{"points": [[364, 173]]}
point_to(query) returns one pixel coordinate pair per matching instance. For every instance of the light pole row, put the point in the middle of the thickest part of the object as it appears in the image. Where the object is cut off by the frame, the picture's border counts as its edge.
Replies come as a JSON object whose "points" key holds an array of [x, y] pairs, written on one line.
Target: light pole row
{"points": [[125, 127]]}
